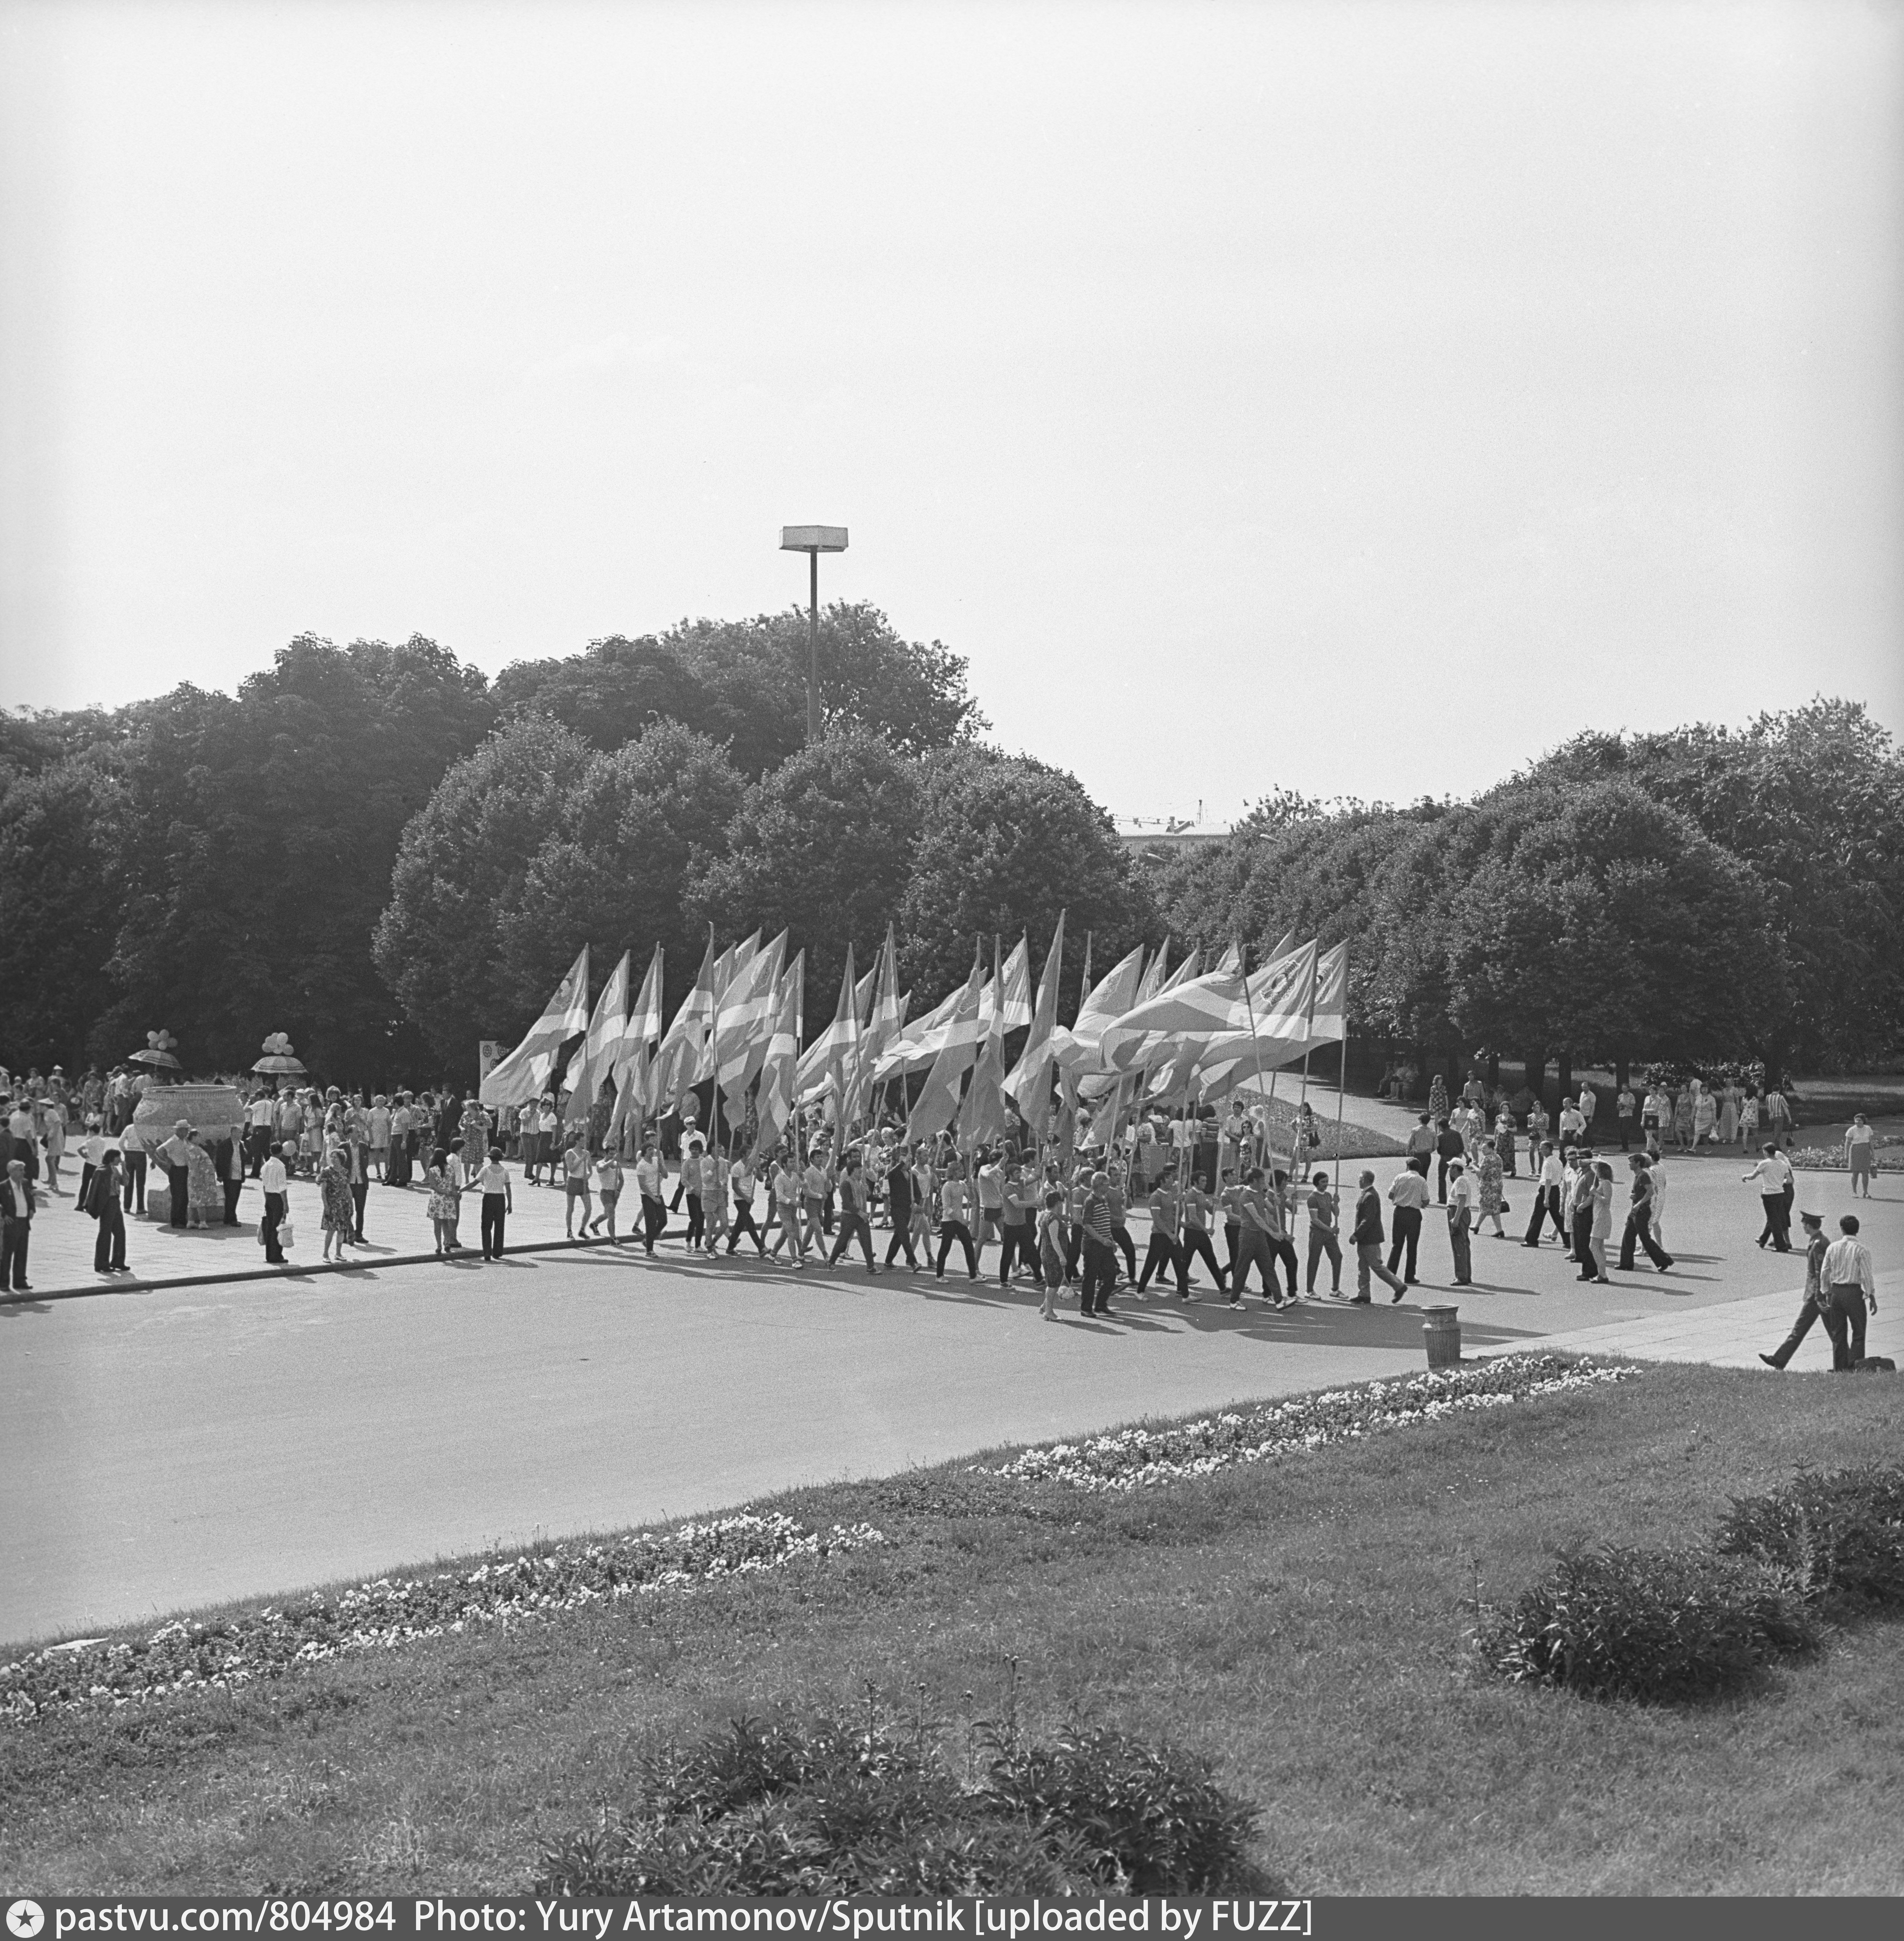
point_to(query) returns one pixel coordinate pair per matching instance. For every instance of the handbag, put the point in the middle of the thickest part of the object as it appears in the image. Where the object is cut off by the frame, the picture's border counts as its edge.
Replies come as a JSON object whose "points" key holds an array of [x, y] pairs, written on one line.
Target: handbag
{"points": [[286, 1234]]}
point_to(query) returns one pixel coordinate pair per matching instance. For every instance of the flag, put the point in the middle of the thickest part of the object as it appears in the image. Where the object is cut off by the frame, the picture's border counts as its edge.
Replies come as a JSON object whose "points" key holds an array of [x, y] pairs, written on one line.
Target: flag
{"points": [[743, 1020], [773, 1102], [914, 1048], [673, 1073], [1274, 1027], [884, 1022], [1328, 1024], [1014, 1002], [1213, 1010], [732, 963], [525, 1073], [1077, 1049], [1029, 1085], [638, 1037], [932, 1110], [596, 1059], [825, 1064], [1231, 962], [981, 1118]]}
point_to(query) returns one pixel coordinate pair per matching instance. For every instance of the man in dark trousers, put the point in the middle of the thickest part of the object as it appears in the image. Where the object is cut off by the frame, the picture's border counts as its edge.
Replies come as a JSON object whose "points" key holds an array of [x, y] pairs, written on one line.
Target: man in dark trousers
{"points": [[109, 1249], [1639, 1219], [1100, 1261], [173, 1157], [1811, 1310], [18, 1202], [1448, 1146], [1365, 1237], [1408, 1194], [1549, 1179]]}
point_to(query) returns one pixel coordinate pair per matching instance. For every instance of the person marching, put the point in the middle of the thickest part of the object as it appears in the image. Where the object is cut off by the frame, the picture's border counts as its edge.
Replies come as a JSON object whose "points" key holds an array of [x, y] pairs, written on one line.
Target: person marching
{"points": [[650, 1180], [853, 1223], [1163, 1252], [1197, 1206], [741, 1178], [1324, 1212], [954, 1205]]}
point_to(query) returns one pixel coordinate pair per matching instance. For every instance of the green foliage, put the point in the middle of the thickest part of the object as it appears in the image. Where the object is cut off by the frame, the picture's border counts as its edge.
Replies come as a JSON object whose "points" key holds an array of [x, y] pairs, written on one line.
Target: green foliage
{"points": [[617, 865], [1814, 802], [1839, 1537], [1004, 844], [822, 848], [241, 849], [823, 1804], [1593, 920], [534, 844], [60, 826], [743, 683], [1658, 1626]]}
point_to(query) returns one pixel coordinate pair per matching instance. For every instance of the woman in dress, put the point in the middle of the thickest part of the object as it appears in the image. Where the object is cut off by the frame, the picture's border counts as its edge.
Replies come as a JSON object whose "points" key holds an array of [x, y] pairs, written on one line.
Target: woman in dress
{"points": [[1438, 1098], [1749, 1118], [444, 1205], [1682, 1116], [1728, 1112], [1705, 1114], [340, 1220], [204, 1196], [1603, 1220], [475, 1131], [1487, 1164]]}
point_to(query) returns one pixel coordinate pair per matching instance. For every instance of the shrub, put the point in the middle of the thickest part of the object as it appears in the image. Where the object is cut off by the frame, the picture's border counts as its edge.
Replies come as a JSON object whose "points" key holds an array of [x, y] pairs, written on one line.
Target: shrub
{"points": [[1838, 1537], [1653, 1625], [820, 1805], [1149, 1819]]}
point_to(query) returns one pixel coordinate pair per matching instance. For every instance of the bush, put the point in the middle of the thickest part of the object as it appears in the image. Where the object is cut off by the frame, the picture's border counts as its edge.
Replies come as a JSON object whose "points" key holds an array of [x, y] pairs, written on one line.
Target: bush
{"points": [[1838, 1537], [824, 1806], [1652, 1625]]}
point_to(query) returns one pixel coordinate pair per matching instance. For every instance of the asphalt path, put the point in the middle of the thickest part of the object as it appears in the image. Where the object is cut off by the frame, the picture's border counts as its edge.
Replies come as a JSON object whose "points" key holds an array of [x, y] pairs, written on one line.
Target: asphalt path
{"points": [[172, 1449]]}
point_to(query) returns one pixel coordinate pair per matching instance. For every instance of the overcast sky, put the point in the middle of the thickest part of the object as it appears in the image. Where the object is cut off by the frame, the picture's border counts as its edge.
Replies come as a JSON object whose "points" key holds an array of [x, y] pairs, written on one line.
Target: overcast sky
{"points": [[1361, 399]]}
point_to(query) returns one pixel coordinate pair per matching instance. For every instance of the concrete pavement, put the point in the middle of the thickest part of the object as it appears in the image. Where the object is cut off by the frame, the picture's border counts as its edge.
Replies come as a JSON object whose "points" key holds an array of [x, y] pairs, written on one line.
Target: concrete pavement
{"points": [[171, 1449]]}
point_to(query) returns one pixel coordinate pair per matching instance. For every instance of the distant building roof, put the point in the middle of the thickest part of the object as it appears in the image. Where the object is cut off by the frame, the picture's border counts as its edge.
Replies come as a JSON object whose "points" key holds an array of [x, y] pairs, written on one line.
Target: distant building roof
{"points": [[1163, 832]]}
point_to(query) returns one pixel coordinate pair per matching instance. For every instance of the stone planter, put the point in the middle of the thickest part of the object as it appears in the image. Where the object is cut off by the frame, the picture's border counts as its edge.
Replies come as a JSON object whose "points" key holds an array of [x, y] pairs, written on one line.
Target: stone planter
{"points": [[213, 1110]]}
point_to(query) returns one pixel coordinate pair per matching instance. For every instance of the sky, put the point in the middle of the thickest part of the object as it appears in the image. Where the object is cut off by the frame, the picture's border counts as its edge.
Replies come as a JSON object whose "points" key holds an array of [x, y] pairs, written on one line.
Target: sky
{"points": [[1355, 398]]}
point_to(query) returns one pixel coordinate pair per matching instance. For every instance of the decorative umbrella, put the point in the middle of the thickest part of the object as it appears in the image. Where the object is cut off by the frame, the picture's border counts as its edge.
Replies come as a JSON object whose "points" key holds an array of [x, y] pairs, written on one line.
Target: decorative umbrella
{"points": [[277, 1061], [157, 1053]]}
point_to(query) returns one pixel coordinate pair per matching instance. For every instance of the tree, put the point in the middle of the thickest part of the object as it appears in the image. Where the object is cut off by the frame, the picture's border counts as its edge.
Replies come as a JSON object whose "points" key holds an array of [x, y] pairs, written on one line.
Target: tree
{"points": [[1004, 844], [743, 683], [626, 843], [60, 827], [1814, 800], [262, 831], [1598, 923], [460, 867], [822, 847]]}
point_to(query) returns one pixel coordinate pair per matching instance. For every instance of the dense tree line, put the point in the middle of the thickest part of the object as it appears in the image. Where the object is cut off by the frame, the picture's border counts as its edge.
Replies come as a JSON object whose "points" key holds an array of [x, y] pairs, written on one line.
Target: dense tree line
{"points": [[1703, 894], [222, 864], [373, 848]]}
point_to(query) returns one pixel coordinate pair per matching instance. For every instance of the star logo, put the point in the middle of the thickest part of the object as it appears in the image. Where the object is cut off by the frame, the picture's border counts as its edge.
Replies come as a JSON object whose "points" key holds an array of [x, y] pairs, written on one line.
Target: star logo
{"points": [[24, 1919]]}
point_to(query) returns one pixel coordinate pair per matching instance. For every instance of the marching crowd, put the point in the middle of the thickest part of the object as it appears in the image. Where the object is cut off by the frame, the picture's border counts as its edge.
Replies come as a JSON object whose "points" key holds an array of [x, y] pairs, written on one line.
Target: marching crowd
{"points": [[1060, 1222]]}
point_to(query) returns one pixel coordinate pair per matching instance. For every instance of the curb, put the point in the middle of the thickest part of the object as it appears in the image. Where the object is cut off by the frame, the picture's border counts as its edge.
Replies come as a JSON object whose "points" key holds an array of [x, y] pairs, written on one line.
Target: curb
{"points": [[11, 1299]]}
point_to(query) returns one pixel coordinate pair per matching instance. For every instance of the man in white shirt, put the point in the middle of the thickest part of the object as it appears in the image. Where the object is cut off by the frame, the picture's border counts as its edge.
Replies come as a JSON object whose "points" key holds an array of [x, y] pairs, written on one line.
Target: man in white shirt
{"points": [[1851, 1293], [272, 1178], [259, 1115], [1408, 1194], [1547, 1183], [650, 1178], [1773, 1176]]}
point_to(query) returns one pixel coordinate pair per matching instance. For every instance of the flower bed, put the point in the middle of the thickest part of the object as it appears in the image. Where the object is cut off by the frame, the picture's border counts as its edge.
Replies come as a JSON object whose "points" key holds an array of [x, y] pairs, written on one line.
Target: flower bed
{"points": [[1135, 1458], [382, 1615], [1346, 1141], [1889, 1157]]}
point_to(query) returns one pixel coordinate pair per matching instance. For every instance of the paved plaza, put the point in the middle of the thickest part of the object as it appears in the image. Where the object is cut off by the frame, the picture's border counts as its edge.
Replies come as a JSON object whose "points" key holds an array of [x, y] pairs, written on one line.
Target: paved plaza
{"points": [[166, 1447]]}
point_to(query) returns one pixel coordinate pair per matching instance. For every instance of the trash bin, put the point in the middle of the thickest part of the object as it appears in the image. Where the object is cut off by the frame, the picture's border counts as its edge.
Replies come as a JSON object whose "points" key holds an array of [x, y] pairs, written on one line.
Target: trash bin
{"points": [[1441, 1332]]}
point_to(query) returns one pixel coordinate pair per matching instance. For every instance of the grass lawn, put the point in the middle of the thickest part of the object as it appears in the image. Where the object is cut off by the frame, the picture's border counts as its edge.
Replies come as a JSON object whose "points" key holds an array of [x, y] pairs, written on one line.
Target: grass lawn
{"points": [[1303, 1622]]}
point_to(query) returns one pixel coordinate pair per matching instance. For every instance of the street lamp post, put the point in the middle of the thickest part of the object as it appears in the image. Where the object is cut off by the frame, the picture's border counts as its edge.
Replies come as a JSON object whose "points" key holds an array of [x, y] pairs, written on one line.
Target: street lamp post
{"points": [[813, 541]]}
